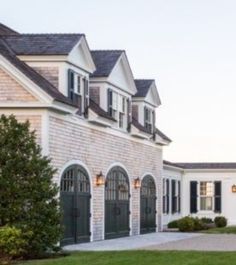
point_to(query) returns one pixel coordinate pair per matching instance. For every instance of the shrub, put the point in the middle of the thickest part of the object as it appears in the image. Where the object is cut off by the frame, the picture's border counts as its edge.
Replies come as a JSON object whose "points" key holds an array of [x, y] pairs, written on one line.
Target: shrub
{"points": [[206, 220], [198, 224], [12, 242], [186, 224], [27, 191], [173, 224], [220, 221]]}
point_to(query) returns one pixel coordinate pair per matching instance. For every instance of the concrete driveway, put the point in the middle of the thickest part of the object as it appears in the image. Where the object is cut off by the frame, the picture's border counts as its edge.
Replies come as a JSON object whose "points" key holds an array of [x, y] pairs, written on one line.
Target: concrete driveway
{"points": [[147, 241], [206, 242]]}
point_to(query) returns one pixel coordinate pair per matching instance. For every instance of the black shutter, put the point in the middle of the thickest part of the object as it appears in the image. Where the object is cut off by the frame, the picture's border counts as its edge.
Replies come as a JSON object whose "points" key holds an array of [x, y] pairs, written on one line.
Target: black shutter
{"points": [[144, 117], [193, 196], [153, 122], [167, 196], [179, 196], [71, 85], [129, 114], [109, 102], [173, 198], [86, 96], [164, 196], [218, 196]]}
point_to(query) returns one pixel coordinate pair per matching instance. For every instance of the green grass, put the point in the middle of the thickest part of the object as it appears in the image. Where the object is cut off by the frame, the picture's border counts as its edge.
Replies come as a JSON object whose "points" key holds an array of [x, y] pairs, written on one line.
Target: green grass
{"points": [[221, 230], [141, 258]]}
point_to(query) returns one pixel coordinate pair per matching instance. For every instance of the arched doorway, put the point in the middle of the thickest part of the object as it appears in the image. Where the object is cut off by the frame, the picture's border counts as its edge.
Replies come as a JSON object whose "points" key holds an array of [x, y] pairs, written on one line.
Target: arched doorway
{"points": [[75, 202], [117, 203], [147, 205]]}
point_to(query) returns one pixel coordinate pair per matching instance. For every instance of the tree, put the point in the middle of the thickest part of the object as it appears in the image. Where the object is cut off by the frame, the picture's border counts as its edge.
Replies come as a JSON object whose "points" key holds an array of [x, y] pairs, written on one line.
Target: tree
{"points": [[28, 196]]}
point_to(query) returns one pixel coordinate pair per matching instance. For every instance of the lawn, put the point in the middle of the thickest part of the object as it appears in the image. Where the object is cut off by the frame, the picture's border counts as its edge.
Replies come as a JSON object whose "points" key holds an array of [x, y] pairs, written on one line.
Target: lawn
{"points": [[141, 258], [221, 230]]}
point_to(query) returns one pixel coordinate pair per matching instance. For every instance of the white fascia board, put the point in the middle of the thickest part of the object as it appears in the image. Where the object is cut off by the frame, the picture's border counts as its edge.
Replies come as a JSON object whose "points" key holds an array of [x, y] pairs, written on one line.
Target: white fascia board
{"points": [[137, 133], [24, 81], [209, 170], [160, 140]]}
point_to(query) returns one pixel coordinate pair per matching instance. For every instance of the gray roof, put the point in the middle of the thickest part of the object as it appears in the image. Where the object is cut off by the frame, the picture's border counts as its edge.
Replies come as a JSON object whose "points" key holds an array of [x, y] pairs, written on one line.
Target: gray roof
{"points": [[31, 73], [42, 44], [210, 165], [143, 86], [105, 61], [97, 109], [163, 136], [4, 30]]}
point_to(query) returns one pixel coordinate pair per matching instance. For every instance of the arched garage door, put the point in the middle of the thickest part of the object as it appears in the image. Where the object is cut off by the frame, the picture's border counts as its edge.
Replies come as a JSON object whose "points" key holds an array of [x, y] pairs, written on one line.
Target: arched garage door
{"points": [[147, 205], [75, 203], [117, 203]]}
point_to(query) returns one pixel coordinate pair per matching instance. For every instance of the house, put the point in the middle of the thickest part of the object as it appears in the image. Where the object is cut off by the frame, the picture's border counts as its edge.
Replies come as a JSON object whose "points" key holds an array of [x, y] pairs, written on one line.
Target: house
{"points": [[199, 190], [96, 123]]}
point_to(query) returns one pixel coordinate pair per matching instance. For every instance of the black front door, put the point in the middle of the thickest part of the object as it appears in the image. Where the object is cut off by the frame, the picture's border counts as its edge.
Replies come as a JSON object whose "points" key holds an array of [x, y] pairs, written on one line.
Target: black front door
{"points": [[148, 205], [117, 204], [75, 203]]}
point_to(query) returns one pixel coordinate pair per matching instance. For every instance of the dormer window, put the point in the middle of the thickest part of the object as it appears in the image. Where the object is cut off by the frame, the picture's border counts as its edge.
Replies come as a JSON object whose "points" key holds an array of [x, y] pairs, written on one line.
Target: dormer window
{"points": [[119, 108], [78, 91], [148, 121]]}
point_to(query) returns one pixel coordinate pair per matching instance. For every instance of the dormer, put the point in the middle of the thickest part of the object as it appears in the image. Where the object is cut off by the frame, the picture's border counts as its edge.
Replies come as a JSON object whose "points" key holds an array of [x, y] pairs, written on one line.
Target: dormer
{"points": [[112, 86], [144, 104], [63, 59]]}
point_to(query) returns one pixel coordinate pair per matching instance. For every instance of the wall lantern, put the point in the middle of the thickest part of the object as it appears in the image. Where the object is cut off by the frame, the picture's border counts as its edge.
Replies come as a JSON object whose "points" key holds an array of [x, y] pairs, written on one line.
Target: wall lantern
{"points": [[100, 179], [234, 188], [137, 183]]}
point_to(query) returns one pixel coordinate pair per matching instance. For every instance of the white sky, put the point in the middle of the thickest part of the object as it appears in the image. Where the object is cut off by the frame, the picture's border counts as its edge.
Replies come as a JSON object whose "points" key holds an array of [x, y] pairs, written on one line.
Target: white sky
{"points": [[188, 46]]}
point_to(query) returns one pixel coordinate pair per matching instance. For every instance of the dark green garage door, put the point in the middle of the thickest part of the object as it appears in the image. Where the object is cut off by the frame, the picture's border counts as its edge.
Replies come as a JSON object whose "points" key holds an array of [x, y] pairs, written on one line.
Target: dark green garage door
{"points": [[117, 204], [148, 205], [75, 203]]}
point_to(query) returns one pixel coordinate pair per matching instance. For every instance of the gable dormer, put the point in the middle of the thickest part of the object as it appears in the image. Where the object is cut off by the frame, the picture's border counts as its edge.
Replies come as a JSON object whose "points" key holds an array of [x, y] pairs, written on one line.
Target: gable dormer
{"points": [[63, 59], [112, 85]]}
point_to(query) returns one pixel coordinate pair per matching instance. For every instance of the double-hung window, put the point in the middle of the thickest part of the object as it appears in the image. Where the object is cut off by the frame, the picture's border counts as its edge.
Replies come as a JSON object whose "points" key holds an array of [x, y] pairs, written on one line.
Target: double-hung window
{"points": [[206, 196], [78, 90], [148, 119], [121, 110]]}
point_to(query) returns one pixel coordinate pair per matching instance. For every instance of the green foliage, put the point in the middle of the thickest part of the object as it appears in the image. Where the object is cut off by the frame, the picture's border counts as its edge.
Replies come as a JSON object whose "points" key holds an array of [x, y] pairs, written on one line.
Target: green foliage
{"points": [[27, 193], [206, 220], [12, 242], [173, 224], [198, 224], [220, 221], [186, 224]]}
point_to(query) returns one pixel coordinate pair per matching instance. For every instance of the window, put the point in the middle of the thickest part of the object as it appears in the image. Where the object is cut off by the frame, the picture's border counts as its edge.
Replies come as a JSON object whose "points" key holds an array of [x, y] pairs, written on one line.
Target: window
{"points": [[78, 91], [148, 119], [206, 196], [116, 106]]}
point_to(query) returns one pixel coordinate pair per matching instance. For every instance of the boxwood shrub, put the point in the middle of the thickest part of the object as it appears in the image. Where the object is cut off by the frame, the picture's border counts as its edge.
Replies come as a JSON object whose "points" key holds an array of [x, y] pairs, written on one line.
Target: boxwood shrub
{"points": [[220, 221]]}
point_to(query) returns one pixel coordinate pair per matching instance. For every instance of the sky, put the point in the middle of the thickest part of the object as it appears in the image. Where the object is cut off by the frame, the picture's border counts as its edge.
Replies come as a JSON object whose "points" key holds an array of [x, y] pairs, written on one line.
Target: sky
{"points": [[188, 46]]}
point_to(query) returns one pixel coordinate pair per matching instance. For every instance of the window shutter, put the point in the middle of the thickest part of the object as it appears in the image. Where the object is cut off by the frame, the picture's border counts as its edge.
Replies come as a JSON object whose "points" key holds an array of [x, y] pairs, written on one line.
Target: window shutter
{"points": [[144, 116], [109, 101], [179, 196], [86, 96], [193, 196], [129, 114], [153, 121], [218, 196], [167, 196], [71, 85], [173, 198]]}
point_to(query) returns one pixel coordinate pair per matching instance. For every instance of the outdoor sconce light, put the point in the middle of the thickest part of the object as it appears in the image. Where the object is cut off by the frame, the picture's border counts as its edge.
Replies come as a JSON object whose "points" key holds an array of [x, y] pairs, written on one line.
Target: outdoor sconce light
{"points": [[137, 183], [234, 188], [100, 180]]}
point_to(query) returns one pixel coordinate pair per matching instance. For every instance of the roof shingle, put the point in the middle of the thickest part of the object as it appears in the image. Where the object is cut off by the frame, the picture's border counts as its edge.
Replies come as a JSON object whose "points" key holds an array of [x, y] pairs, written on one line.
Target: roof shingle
{"points": [[4, 30], [42, 44], [143, 86], [30, 73], [105, 61]]}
